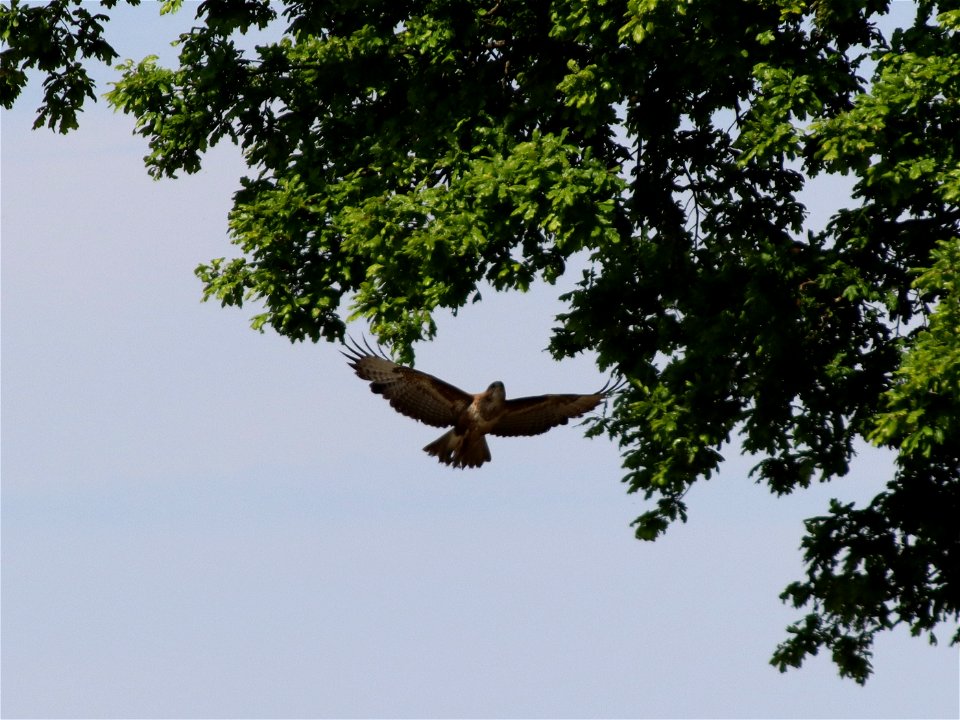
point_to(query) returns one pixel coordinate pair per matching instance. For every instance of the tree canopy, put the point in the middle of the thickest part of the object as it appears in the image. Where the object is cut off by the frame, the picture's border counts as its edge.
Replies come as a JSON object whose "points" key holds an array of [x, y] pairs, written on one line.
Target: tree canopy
{"points": [[407, 155]]}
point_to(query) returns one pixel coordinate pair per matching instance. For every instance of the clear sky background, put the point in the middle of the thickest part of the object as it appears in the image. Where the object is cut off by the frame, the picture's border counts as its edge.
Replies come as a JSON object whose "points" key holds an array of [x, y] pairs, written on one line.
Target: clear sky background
{"points": [[200, 520]]}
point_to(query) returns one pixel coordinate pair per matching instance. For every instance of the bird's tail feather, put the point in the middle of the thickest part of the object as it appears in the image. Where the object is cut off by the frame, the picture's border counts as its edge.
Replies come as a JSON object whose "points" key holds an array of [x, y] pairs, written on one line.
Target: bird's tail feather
{"points": [[461, 451]]}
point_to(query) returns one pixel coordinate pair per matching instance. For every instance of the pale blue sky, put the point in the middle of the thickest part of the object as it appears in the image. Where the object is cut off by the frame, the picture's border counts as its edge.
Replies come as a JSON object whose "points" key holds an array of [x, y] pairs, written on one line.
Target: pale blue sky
{"points": [[202, 521]]}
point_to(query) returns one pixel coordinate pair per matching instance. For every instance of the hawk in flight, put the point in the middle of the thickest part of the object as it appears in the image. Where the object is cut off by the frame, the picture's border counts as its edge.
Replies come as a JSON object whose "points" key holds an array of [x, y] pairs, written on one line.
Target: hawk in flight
{"points": [[435, 402]]}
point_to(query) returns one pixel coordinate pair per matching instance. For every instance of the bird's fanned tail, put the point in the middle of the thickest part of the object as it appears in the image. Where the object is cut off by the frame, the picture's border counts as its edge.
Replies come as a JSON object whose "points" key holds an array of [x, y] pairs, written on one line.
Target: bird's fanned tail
{"points": [[460, 450]]}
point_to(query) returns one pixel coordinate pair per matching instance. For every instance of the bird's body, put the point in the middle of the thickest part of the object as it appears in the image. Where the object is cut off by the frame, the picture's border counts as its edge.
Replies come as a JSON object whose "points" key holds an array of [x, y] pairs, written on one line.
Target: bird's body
{"points": [[470, 417], [465, 445]]}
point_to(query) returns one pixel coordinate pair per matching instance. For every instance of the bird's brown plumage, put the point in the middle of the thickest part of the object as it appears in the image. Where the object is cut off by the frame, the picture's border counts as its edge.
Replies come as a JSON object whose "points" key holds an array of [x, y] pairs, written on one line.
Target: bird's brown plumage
{"points": [[472, 416]]}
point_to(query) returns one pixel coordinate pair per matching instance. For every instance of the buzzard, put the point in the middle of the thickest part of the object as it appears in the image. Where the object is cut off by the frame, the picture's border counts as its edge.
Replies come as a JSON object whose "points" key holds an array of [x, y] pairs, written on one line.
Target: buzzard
{"points": [[435, 402]]}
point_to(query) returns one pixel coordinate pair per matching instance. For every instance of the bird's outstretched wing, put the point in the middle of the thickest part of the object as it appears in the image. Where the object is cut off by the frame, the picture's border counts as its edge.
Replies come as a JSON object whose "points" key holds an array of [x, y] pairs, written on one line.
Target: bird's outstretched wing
{"points": [[411, 392], [535, 415]]}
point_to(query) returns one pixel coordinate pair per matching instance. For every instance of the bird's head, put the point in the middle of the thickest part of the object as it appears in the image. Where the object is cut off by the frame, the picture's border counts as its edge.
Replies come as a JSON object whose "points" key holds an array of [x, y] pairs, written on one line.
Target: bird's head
{"points": [[496, 391]]}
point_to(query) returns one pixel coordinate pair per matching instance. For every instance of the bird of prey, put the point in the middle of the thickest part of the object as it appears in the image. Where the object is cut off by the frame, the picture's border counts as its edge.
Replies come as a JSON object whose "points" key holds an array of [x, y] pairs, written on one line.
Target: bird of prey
{"points": [[435, 402]]}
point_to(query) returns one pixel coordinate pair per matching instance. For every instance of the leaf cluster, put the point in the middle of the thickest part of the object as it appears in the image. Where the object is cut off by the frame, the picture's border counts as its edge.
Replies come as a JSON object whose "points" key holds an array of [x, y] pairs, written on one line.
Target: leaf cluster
{"points": [[56, 38]]}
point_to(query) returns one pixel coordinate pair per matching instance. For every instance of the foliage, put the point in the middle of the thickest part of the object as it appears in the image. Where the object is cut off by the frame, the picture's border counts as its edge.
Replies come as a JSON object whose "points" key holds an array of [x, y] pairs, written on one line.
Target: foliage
{"points": [[55, 38], [406, 155]]}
